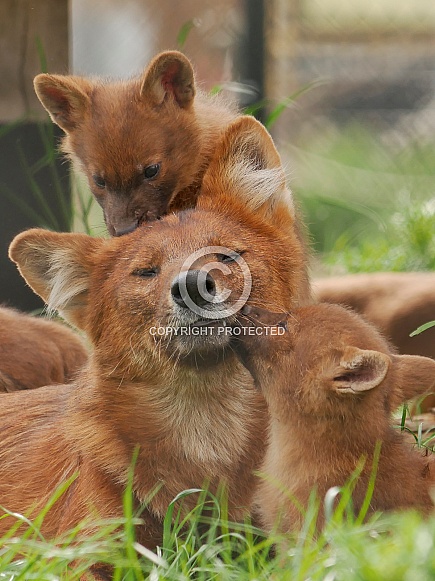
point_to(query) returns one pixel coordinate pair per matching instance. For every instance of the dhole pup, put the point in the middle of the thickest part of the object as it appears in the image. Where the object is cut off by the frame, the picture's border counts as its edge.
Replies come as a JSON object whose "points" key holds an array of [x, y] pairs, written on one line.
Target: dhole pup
{"points": [[183, 397], [143, 144], [36, 352], [331, 383]]}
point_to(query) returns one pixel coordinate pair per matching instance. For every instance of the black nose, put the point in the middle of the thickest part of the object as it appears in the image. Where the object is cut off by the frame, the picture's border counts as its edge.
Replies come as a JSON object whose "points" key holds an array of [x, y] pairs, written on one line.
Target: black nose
{"points": [[126, 229], [196, 285]]}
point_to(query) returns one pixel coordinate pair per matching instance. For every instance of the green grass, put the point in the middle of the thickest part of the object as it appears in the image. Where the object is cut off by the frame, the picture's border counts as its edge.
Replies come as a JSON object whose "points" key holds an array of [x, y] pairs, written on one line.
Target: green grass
{"points": [[67, 212], [203, 545], [369, 204], [388, 547]]}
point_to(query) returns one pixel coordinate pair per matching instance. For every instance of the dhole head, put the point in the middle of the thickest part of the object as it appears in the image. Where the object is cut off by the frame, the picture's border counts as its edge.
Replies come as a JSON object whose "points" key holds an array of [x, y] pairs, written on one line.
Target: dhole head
{"points": [[327, 362], [169, 291], [138, 142]]}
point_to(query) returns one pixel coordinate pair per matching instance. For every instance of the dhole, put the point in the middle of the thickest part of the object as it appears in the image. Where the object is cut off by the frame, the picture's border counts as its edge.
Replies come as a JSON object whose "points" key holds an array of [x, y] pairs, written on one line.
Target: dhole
{"points": [[143, 144], [36, 352], [331, 382], [186, 400]]}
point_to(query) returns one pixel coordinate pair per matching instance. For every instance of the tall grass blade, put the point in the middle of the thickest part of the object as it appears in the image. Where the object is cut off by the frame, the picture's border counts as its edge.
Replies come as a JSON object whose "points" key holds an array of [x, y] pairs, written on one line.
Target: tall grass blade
{"points": [[371, 485], [422, 328], [184, 32]]}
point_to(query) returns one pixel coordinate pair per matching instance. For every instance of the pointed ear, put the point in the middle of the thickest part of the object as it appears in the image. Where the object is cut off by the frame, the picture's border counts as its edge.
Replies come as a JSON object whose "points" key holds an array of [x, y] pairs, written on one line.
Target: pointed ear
{"points": [[247, 165], [57, 267], [359, 370], [414, 376], [66, 98], [170, 74]]}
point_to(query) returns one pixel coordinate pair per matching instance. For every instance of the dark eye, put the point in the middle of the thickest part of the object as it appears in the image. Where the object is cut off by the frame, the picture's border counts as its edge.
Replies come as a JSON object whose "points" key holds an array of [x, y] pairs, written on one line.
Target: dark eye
{"points": [[146, 272], [151, 171], [99, 181]]}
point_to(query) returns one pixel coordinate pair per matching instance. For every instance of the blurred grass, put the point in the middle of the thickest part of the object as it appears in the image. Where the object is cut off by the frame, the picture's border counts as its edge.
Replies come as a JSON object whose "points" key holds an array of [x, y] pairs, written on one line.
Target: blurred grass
{"points": [[369, 204], [71, 212], [57, 211], [38, 208]]}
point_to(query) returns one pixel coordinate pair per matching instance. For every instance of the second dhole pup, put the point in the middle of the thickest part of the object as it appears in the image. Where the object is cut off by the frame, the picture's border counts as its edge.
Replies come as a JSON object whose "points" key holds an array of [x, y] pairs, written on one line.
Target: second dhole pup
{"points": [[331, 382]]}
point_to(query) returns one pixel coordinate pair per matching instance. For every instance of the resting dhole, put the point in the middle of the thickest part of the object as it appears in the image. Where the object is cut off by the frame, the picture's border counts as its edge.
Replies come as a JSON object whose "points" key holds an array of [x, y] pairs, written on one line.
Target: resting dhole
{"points": [[181, 395], [36, 352], [396, 302], [331, 382]]}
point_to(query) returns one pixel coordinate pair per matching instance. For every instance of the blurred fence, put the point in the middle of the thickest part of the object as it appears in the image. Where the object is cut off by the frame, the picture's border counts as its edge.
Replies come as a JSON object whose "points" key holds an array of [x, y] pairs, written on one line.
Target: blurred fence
{"points": [[118, 39], [376, 61], [366, 62]]}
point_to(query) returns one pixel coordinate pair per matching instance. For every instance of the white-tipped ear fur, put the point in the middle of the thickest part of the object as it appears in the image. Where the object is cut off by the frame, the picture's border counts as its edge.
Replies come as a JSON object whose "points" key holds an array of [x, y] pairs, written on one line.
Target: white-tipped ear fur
{"points": [[360, 370], [57, 267], [247, 164], [66, 278]]}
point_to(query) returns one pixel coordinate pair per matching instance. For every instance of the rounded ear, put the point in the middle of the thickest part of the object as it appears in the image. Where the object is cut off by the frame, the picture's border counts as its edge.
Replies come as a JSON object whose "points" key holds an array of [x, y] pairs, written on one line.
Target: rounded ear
{"points": [[359, 370], [65, 98], [246, 164], [170, 74], [57, 267], [414, 376]]}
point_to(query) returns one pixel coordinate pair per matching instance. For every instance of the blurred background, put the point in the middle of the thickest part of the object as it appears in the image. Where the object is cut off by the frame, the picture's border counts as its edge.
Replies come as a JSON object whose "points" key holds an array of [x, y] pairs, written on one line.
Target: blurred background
{"points": [[346, 88]]}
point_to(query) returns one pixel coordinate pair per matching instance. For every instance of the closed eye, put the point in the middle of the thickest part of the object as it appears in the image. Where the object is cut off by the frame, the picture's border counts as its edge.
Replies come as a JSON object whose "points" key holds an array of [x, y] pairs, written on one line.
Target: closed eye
{"points": [[232, 256], [146, 272]]}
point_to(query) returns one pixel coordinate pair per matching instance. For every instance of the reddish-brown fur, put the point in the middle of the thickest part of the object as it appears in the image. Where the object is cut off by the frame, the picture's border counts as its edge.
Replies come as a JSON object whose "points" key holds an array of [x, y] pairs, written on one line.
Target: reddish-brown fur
{"points": [[187, 402], [36, 352], [331, 382], [396, 302], [115, 130]]}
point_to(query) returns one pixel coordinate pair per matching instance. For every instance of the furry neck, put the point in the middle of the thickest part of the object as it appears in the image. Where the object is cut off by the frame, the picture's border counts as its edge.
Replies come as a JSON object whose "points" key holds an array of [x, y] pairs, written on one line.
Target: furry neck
{"points": [[205, 416]]}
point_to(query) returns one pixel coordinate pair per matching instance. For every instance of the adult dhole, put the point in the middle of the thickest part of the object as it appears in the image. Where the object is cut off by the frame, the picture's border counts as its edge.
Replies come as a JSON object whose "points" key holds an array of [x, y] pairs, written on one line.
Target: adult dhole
{"points": [[163, 374], [331, 382], [396, 302]]}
